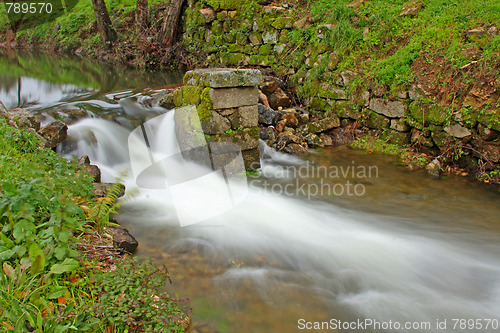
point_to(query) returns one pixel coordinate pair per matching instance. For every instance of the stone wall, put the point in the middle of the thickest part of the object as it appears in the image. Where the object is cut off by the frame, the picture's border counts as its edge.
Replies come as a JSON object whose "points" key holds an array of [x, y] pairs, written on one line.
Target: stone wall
{"points": [[257, 33], [226, 103]]}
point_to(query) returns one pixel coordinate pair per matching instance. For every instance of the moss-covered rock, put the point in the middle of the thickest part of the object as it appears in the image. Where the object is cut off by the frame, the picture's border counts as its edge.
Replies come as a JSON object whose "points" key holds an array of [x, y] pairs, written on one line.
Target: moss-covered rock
{"points": [[376, 121], [265, 50], [395, 137], [319, 104], [217, 28], [425, 114], [346, 109], [282, 23]]}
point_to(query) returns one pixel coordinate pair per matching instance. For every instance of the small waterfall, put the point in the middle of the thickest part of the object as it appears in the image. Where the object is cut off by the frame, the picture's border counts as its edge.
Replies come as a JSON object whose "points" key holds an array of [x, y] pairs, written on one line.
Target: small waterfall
{"points": [[372, 265]]}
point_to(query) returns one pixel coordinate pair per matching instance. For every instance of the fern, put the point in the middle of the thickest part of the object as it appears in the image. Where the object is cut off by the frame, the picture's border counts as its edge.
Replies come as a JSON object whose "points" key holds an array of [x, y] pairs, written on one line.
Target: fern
{"points": [[101, 209]]}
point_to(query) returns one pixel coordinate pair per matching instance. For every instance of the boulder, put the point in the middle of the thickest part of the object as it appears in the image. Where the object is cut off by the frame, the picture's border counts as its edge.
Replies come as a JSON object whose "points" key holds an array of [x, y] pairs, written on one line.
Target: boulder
{"points": [[93, 170], [21, 118], [54, 133], [122, 239]]}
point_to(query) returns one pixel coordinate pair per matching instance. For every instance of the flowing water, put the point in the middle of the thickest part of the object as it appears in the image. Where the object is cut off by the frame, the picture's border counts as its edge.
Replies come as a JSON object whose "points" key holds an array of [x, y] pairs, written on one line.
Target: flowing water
{"points": [[339, 238]]}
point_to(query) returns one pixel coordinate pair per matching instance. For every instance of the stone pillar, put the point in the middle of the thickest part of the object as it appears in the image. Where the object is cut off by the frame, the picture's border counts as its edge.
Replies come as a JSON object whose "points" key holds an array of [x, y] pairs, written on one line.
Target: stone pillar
{"points": [[226, 103]]}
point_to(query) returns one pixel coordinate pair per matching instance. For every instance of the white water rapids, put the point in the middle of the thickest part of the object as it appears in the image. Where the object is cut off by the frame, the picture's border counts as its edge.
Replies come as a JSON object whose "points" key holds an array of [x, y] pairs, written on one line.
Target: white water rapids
{"points": [[373, 266]]}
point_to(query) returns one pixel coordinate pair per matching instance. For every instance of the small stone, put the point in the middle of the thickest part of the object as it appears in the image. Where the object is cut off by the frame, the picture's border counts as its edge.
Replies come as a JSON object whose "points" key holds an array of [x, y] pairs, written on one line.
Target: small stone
{"points": [[457, 131], [263, 99], [269, 135], [411, 8], [295, 149], [302, 23], [348, 76], [434, 168], [314, 141], [270, 37], [267, 116], [279, 99], [303, 119], [208, 14], [327, 140]]}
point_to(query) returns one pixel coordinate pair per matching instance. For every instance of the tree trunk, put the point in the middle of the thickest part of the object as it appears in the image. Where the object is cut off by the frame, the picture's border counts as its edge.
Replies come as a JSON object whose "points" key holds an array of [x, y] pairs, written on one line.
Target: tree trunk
{"points": [[103, 21], [171, 20], [141, 14]]}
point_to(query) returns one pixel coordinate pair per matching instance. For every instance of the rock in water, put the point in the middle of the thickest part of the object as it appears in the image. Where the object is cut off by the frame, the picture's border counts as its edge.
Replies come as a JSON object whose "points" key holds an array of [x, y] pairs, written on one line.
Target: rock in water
{"points": [[434, 168], [93, 170], [54, 133]]}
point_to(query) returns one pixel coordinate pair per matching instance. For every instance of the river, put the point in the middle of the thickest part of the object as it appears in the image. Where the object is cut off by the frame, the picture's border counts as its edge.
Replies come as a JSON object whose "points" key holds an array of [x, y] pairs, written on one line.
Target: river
{"points": [[339, 241]]}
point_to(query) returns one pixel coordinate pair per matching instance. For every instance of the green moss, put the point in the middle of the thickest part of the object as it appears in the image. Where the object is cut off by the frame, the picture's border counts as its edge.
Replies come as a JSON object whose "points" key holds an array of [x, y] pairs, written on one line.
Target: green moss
{"points": [[376, 121], [425, 114], [206, 105], [282, 23], [222, 16], [265, 50], [217, 28], [319, 104], [490, 119], [215, 4], [241, 39], [346, 109], [395, 137]]}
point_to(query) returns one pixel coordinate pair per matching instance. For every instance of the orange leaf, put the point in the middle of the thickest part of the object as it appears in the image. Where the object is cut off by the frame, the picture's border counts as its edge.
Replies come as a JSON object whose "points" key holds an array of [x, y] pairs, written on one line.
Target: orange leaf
{"points": [[61, 300], [8, 326]]}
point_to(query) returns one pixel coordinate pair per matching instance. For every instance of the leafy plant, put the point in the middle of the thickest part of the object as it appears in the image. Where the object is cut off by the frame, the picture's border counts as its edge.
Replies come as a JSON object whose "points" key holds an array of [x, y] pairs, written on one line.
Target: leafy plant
{"points": [[134, 297]]}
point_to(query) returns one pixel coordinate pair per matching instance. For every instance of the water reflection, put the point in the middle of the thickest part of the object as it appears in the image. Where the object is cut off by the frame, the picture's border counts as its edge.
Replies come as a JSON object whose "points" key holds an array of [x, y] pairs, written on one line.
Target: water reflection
{"points": [[49, 84]]}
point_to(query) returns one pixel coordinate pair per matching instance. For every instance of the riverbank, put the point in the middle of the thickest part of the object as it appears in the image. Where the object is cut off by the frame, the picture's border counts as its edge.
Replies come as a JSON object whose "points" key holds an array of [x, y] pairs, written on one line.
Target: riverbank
{"points": [[64, 262], [390, 71]]}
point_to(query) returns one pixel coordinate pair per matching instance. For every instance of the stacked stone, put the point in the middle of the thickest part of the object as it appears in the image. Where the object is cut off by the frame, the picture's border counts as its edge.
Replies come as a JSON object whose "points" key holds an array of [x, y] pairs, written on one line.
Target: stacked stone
{"points": [[226, 102]]}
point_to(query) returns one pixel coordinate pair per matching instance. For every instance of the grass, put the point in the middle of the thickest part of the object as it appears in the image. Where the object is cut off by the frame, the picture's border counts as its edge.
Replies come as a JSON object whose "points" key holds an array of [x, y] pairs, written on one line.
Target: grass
{"points": [[373, 144], [376, 40]]}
